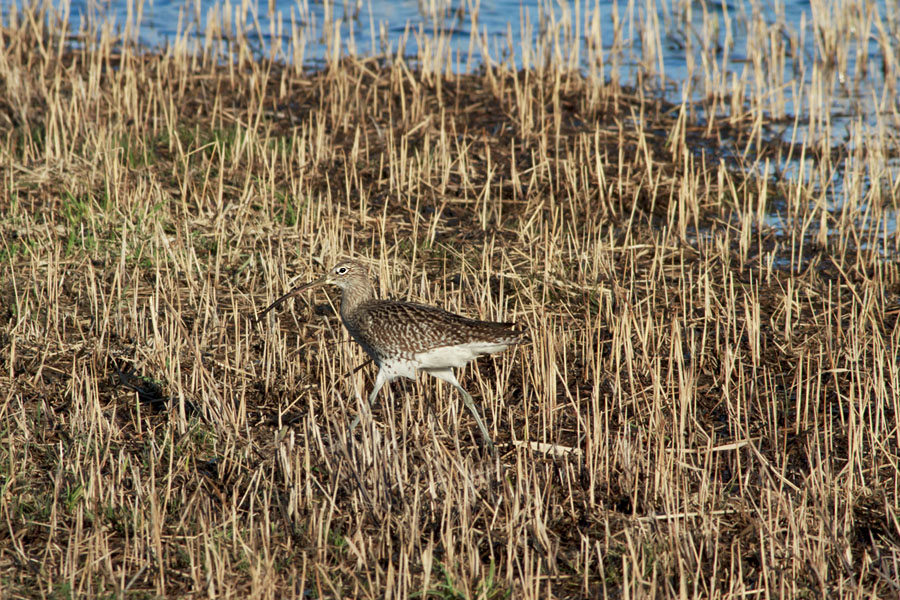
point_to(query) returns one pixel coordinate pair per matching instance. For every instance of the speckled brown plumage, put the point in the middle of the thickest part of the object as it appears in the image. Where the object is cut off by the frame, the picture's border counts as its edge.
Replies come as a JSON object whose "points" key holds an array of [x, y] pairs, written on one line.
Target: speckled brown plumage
{"points": [[404, 329], [404, 337]]}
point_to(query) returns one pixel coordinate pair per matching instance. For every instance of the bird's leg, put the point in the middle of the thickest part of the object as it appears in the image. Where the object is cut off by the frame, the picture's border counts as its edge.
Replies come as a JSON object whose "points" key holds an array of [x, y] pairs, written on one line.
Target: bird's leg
{"points": [[474, 410], [380, 380], [448, 376]]}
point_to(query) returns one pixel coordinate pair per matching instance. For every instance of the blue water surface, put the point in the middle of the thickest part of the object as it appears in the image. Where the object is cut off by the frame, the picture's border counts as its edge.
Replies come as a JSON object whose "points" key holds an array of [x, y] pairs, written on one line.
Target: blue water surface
{"points": [[373, 27], [696, 38]]}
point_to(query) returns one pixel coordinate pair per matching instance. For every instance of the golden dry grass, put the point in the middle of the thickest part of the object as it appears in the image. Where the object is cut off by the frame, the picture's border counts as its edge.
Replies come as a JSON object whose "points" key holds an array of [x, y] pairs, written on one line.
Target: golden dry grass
{"points": [[709, 406]]}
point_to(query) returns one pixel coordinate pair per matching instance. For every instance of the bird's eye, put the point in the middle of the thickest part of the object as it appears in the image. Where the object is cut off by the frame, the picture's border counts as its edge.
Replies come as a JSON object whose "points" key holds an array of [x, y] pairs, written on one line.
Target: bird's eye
{"points": [[341, 271]]}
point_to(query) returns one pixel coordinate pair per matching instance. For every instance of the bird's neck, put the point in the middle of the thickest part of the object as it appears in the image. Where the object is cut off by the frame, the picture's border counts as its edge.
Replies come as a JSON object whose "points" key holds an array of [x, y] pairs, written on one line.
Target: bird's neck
{"points": [[353, 296]]}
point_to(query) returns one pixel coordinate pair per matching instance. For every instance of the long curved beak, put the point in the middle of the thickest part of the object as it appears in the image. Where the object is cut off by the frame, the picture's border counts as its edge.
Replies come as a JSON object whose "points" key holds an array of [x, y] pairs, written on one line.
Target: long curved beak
{"points": [[294, 292]]}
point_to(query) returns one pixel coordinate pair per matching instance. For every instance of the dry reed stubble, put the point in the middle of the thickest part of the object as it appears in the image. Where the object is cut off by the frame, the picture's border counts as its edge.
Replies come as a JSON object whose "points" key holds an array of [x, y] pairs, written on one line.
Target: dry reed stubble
{"points": [[729, 388]]}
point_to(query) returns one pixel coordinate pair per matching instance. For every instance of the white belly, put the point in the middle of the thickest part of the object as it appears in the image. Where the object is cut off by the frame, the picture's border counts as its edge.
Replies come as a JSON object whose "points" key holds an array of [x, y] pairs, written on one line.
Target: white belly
{"points": [[455, 356], [399, 367], [446, 357]]}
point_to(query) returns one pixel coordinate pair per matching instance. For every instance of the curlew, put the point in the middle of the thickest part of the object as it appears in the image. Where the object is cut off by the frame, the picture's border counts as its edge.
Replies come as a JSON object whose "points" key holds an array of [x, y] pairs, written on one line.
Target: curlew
{"points": [[403, 337]]}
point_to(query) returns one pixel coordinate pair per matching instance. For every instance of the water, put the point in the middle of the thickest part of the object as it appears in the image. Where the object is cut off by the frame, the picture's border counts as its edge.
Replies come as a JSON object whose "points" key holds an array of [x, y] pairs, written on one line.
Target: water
{"points": [[701, 43], [701, 47], [370, 26]]}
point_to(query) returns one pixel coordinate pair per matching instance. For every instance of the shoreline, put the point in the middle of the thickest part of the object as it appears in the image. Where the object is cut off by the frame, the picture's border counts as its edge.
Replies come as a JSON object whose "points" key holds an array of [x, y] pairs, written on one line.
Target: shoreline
{"points": [[708, 405]]}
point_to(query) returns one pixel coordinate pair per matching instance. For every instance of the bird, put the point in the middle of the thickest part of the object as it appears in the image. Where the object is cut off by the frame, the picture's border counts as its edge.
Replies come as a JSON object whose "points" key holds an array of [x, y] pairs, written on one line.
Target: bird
{"points": [[403, 338]]}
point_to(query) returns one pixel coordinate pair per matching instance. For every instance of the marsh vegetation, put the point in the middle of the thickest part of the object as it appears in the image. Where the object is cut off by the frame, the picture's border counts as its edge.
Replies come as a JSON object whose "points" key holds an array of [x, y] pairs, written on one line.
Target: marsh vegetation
{"points": [[710, 405]]}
